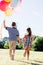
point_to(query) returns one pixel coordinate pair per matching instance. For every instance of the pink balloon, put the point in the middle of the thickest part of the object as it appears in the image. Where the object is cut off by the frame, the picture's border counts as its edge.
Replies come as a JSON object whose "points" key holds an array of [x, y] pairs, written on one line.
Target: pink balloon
{"points": [[0, 0], [3, 5]]}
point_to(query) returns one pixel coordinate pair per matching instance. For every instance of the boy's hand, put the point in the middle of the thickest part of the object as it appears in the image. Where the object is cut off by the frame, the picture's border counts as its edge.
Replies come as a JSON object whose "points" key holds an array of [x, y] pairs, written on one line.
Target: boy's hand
{"points": [[4, 21]]}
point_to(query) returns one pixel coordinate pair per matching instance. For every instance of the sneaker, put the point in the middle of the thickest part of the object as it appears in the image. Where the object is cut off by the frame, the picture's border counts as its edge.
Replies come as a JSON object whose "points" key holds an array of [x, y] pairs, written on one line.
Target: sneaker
{"points": [[12, 58]]}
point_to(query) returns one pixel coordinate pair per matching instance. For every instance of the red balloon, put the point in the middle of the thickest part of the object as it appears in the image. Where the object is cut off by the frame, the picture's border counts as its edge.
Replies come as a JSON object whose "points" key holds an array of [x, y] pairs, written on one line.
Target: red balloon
{"points": [[3, 5], [7, 1]]}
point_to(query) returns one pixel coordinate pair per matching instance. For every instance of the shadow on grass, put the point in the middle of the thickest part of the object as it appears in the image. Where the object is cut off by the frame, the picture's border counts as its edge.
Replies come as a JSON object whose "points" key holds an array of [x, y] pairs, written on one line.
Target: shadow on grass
{"points": [[38, 61], [32, 63]]}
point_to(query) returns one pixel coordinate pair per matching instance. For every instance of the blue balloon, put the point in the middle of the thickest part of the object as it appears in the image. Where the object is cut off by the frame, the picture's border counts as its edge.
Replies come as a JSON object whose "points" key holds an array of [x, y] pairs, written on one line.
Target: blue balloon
{"points": [[14, 3]]}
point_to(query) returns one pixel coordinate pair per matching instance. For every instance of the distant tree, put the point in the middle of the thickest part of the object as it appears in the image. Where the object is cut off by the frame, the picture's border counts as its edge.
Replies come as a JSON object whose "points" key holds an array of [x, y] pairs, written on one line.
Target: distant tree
{"points": [[6, 45], [5, 39], [38, 44], [19, 46], [2, 44]]}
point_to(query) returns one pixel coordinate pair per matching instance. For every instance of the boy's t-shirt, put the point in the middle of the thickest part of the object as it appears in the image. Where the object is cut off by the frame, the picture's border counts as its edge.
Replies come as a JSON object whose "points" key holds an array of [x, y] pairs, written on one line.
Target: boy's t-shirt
{"points": [[13, 33]]}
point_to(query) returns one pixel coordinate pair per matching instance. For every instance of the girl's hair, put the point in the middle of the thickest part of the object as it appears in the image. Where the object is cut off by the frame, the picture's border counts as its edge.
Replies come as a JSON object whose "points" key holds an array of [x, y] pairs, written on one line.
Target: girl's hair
{"points": [[29, 31], [13, 24]]}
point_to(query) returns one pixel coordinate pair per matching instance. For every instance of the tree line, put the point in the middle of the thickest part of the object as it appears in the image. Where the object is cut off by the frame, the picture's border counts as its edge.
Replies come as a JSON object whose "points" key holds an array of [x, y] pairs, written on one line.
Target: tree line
{"points": [[37, 44]]}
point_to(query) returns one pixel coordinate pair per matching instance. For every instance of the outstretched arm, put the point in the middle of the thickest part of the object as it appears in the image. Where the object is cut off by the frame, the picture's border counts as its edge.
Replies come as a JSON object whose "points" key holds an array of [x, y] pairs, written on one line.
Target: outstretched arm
{"points": [[4, 24]]}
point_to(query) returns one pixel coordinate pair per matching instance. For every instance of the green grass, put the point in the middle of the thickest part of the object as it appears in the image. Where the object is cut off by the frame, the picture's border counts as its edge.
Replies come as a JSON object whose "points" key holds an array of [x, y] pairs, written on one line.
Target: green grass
{"points": [[36, 58]]}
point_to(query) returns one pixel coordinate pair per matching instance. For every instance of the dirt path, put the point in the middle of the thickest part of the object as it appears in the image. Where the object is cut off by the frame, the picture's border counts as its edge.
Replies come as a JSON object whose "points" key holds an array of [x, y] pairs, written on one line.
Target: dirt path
{"points": [[36, 58]]}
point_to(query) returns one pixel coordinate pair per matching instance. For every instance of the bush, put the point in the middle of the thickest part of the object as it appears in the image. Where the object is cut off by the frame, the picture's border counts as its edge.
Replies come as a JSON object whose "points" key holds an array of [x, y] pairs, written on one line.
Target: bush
{"points": [[2, 44], [6, 45], [19, 46], [38, 44]]}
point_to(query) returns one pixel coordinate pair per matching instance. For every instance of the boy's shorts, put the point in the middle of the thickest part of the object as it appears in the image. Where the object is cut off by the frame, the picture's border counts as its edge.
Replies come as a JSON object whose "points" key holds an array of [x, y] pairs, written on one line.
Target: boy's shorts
{"points": [[12, 45]]}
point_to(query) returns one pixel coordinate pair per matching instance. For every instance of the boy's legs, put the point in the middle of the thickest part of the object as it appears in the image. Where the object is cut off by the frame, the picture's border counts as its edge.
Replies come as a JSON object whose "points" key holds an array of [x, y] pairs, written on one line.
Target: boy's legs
{"points": [[12, 46], [13, 49], [10, 52], [10, 49]]}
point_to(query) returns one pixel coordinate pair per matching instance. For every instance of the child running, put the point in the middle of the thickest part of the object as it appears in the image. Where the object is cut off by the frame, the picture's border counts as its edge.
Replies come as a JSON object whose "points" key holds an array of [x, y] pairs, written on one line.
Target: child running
{"points": [[13, 37], [27, 42]]}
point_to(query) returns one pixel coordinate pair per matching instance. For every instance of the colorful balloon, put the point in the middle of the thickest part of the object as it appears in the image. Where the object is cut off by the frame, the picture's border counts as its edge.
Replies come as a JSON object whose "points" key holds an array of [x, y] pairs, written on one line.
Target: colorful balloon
{"points": [[6, 5], [8, 12], [14, 3], [16, 8], [20, 1], [3, 5], [0, 0], [8, 1]]}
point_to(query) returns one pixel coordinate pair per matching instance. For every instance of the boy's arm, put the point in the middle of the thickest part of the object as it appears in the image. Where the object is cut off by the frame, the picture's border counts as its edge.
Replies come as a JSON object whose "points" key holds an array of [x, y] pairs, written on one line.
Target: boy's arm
{"points": [[19, 40], [4, 24]]}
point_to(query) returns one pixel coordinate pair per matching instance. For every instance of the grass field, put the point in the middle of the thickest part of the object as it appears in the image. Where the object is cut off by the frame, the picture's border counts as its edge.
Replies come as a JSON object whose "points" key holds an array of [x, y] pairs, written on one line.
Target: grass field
{"points": [[36, 58]]}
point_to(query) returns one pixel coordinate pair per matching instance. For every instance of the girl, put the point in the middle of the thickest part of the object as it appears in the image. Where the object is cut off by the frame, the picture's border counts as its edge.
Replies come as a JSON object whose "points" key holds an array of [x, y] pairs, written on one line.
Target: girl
{"points": [[27, 42]]}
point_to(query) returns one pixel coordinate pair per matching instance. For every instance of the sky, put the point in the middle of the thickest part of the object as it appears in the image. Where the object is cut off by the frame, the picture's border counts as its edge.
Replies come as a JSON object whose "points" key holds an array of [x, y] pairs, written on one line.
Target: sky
{"points": [[29, 14]]}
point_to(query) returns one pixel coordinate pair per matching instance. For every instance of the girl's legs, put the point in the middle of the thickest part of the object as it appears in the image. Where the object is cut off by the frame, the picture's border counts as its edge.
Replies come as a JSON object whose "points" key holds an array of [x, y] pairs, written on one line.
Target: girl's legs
{"points": [[25, 48], [28, 52], [25, 53]]}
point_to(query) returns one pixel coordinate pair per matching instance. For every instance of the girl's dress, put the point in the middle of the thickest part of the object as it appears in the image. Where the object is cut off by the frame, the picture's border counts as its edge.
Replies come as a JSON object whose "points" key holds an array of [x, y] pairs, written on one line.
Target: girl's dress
{"points": [[27, 42]]}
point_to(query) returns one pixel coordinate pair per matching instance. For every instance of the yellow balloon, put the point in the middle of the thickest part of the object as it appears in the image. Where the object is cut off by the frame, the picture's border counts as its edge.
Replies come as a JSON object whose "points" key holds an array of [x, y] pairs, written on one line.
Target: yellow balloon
{"points": [[7, 1], [8, 12]]}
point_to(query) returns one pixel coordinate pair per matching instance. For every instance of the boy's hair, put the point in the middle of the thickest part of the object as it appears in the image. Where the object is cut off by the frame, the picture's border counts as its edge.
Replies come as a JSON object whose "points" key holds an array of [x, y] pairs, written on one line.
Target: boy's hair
{"points": [[13, 24]]}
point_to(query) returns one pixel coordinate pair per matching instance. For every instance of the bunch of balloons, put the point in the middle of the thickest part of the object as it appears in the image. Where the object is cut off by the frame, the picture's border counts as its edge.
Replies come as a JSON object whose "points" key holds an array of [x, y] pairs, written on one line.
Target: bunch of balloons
{"points": [[8, 5]]}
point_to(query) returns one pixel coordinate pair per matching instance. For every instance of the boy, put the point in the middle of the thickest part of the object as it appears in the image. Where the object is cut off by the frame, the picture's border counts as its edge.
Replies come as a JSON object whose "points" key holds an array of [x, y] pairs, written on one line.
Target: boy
{"points": [[13, 37]]}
